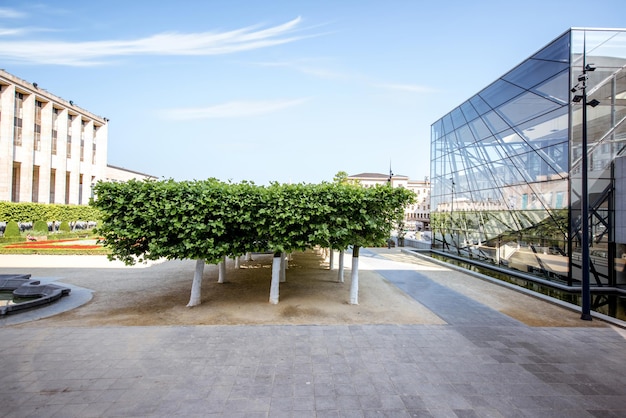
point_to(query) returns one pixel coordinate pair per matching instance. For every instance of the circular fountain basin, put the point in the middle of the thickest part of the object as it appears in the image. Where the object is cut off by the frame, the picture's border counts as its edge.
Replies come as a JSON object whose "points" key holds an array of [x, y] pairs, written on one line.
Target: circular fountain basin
{"points": [[27, 293]]}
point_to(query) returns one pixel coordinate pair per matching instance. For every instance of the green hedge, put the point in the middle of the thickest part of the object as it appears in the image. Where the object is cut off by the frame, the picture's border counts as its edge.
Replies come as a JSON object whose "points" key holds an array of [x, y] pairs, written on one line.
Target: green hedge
{"points": [[210, 219], [40, 228], [12, 230], [65, 227], [32, 212], [11, 240]]}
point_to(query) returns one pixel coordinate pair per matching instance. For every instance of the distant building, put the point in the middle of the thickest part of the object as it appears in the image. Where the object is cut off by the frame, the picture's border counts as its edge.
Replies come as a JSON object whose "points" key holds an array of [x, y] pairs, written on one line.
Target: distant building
{"points": [[417, 215], [114, 173], [51, 151]]}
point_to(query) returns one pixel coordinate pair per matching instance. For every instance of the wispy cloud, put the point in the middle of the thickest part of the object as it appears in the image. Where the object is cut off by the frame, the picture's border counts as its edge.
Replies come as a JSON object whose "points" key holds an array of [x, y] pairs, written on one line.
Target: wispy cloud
{"points": [[313, 68], [11, 32], [172, 43], [410, 88], [232, 109], [7, 13]]}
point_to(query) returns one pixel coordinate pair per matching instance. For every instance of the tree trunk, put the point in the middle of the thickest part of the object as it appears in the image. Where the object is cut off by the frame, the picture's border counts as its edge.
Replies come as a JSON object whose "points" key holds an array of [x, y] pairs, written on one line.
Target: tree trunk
{"points": [[196, 286], [222, 270], [248, 256], [274, 286], [331, 261], [340, 271], [354, 287], [237, 262], [283, 267]]}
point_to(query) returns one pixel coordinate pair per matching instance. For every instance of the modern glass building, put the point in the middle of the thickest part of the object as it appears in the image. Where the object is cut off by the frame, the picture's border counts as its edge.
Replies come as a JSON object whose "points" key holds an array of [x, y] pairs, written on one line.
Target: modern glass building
{"points": [[506, 164]]}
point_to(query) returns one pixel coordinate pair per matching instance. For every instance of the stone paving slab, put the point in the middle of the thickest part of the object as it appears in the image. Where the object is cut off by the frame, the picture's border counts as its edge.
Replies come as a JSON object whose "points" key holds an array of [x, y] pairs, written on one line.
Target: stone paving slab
{"points": [[317, 371], [481, 364]]}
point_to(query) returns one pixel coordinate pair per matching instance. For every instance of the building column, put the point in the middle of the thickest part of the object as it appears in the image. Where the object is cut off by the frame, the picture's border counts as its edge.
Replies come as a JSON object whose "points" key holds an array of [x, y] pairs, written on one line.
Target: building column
{"points": [[7, 100], [43, 158], [25, 154]]}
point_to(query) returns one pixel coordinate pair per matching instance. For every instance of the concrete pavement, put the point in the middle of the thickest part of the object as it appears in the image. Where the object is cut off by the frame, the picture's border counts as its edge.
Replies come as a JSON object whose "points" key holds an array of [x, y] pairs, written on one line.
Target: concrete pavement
{"points": [[481, 364]]}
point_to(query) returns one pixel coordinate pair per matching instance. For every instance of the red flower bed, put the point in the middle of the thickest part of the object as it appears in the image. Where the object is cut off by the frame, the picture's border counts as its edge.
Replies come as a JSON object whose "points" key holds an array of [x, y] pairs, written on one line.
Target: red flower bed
{"points": [[38, 243], [55, 247]]}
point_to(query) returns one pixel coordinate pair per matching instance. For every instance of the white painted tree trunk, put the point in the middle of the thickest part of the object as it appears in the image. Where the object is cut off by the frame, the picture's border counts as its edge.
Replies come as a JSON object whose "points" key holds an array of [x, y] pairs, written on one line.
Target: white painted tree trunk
{"points": [[222, 270], [274, 286], [340, 271], [354, 286], [331, 260], [283, 267], [237, 262], [248, 256], [196, 286]]}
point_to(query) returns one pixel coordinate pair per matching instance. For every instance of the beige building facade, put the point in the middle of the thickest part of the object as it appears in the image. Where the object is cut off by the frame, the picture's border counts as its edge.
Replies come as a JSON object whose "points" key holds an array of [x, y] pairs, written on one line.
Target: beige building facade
{"points": [[51, 151], [417, 215]]}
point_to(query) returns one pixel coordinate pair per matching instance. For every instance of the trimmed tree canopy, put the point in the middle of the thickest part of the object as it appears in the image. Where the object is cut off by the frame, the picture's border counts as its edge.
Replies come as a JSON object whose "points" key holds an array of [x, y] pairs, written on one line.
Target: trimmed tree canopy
{"points": [[210, 219]]}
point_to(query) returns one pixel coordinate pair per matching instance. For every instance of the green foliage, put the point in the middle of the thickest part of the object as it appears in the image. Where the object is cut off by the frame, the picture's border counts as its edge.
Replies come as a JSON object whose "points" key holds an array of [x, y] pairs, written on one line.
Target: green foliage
{"points": [[30, 212], [65, 227], [342, 178], [11, 240], [211, 219], [12, 230], [40, 228]]}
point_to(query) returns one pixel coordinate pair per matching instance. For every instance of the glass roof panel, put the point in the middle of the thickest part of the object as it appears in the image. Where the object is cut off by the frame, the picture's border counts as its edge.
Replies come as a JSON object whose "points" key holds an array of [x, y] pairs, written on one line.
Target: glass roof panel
{"points": [[500, 92], [495, 122], [480, 105], [468, 111], [479, 129], [606, 43], [525, 107], [436, 131], [447, 124], [556, 88], [465, 135], [532, 72], [458, 119], [558, 50], [548, 128]]}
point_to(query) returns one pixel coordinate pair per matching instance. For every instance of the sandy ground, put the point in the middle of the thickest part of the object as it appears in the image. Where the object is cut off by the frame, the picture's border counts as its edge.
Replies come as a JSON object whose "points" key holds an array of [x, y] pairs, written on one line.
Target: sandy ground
{"points": [[158, 295]]}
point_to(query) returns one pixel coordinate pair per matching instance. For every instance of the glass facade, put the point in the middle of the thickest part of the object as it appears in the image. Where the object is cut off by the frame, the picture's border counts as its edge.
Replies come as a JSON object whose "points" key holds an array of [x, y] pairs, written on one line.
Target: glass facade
{"points": [[506, 164]]}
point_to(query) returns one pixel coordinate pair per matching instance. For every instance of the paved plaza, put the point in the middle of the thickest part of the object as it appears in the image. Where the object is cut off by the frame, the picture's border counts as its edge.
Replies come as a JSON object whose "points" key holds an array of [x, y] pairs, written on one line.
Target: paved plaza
{"points": [[481, 363]]}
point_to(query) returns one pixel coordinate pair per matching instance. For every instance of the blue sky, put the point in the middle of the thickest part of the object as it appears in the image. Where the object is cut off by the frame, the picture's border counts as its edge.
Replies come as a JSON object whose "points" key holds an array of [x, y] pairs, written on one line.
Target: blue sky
{"points": [[287, 91]]}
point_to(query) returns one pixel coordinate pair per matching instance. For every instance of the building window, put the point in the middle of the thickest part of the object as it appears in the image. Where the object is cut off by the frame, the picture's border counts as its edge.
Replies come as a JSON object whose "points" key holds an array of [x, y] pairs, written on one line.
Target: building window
{"points": [[559, 200], [38, 107], [17, 120], [35, 188], [53, 180], [55, 128], [69, 136], [15, 190], [80, 189], [93, 148], [67, 187], [82, 140]]}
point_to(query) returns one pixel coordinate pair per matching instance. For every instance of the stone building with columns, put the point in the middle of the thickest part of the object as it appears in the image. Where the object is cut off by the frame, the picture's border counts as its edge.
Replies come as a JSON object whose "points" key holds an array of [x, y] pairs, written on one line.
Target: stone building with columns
{"points": [[51, 151], [417, 215]]}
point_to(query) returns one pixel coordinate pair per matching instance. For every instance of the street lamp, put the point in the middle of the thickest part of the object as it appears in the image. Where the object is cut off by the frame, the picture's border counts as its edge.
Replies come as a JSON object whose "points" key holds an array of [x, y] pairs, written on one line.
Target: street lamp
{"points": [[581, 88], [458, 251]]}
